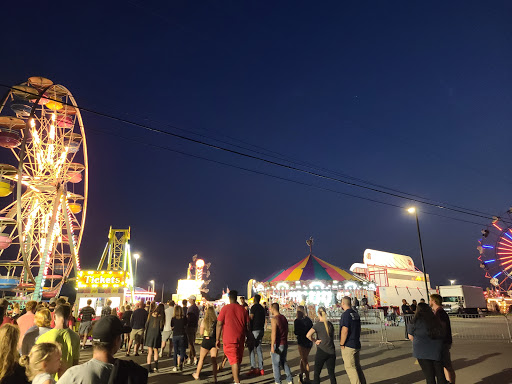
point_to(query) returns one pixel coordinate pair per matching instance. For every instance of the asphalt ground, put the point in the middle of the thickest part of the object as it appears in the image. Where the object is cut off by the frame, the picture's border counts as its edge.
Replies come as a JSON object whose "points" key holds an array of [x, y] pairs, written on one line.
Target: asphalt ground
{"points": [[475, 362]]}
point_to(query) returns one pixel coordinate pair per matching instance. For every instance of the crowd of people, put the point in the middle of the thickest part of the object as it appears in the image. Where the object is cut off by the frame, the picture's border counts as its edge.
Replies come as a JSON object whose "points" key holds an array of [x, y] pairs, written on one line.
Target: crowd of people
{"points": [[40, 346]]}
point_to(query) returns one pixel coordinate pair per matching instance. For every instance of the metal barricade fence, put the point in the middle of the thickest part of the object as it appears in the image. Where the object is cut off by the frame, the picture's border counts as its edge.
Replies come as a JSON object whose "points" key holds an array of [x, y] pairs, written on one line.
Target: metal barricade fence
{"points": [[373, 329], [464, 327], [481, 327], [379, 329]]}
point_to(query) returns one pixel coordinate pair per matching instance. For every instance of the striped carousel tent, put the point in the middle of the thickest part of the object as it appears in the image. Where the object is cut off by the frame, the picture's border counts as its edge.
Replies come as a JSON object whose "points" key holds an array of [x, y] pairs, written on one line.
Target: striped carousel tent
{"points": [[312, 268]]}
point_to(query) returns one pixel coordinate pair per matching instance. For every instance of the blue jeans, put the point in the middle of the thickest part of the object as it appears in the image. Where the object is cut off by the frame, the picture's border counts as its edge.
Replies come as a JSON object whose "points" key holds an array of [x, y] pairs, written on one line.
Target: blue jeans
{"points": [[179, 348], [256, 349], [278, 361]]}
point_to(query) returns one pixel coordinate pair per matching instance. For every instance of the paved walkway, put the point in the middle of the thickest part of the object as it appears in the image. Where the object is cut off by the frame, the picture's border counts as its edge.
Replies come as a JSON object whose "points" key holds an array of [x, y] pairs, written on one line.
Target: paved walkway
{"points": [[476, 362]]}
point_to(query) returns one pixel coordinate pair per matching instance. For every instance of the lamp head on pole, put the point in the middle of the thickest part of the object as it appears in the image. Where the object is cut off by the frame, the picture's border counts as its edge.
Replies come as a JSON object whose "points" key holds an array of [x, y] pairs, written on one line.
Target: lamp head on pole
{"points": [[411, 210], [452, 282], [136, 255]]}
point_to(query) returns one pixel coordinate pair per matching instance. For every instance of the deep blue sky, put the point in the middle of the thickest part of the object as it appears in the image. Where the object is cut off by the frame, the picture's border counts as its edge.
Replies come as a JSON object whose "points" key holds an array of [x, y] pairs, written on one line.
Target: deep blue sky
{"points": [[411, 95]]}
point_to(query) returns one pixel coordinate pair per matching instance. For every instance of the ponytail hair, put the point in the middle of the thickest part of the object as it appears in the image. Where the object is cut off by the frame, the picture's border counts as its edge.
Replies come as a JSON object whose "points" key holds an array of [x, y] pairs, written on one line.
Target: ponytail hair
{"points": [[38, 355], [322, 312]]}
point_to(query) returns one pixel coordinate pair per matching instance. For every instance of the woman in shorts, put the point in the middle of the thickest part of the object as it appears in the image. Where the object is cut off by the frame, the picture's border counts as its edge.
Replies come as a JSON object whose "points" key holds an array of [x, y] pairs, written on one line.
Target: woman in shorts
{"points": [[302, 325], [208, 330]]}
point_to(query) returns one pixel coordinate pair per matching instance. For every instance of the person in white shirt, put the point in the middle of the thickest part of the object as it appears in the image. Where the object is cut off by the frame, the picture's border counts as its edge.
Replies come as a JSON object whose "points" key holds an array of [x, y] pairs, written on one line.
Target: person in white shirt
{"points": [[167, 331]]}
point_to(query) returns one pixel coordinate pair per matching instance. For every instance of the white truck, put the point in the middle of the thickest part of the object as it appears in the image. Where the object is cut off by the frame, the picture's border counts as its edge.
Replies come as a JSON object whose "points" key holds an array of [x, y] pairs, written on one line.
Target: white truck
{"points": [[462, 298]]}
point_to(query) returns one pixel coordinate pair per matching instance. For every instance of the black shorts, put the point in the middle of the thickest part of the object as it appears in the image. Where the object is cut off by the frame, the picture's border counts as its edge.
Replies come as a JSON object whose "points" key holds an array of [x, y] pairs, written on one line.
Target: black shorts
{"points": [[208, 343]]}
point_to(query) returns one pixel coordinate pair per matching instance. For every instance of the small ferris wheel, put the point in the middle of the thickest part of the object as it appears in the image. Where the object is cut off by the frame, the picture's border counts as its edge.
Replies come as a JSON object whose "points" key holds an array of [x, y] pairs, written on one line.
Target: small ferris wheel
{"points": [[495, 248]]}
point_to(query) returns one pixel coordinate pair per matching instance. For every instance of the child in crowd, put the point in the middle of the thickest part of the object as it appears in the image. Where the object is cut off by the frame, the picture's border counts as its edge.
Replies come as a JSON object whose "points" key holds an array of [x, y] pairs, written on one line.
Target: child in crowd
{"points": [[42, 363]]}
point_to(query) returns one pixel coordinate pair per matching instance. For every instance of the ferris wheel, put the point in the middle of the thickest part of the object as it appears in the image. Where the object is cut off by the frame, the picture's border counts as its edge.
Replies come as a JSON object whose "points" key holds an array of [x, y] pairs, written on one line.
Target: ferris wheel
{"points": [[43, 188], [495, 248]]}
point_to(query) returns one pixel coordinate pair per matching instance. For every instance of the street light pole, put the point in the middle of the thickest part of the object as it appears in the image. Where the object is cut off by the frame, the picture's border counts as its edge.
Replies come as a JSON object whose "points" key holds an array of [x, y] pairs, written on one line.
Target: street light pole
{"points": [[413, 210]]}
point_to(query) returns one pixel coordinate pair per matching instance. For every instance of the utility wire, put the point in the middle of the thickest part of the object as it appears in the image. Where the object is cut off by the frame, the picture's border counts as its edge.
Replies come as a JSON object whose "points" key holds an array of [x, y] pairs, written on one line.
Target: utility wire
{"points": [[291, 160], [139, 141], [271, 162]]}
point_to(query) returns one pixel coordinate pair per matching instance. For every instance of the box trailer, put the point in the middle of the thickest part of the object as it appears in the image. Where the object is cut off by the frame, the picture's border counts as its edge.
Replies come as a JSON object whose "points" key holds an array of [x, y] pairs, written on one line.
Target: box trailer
{"points": [[462, 298]]}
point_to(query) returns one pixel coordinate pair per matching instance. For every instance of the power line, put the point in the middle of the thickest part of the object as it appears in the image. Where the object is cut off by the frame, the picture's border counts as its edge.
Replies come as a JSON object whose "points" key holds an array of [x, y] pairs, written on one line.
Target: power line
{"points": [[271, 162], [138, 141], [291, 160]]}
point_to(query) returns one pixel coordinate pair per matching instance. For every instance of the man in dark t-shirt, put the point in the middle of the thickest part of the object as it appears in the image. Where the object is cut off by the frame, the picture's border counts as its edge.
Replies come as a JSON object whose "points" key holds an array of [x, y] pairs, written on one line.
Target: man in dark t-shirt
{"points": [[86, 315], [107, 310], [350, 333], [257, 322], [407, 315], [192, 323], [436, 302], [138, 323], [414, 305]]}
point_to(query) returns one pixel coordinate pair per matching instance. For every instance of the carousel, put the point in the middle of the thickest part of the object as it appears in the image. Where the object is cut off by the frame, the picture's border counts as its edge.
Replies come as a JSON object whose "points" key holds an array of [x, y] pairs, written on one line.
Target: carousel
{"points": [[312, 281]]}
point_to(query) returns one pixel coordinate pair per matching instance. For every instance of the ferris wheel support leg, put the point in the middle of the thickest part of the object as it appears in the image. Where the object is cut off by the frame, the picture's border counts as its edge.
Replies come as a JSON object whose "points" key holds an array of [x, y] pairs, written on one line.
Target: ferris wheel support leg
{"points": [[40, 279], [74, 256]]}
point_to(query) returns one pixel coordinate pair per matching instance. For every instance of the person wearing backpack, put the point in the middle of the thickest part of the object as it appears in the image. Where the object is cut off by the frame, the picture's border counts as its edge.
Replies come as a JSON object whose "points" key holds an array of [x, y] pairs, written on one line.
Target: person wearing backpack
{"points": [[104, 368]]}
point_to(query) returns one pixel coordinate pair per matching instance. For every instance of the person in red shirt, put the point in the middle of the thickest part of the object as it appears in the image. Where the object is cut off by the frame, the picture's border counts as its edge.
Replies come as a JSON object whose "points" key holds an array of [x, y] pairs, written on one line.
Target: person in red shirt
{"points": [[233, 326]]}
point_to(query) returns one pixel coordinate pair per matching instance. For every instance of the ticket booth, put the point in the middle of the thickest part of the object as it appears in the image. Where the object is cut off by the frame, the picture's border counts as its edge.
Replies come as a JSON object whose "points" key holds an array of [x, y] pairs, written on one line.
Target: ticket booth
{"points": [[100, 286]]}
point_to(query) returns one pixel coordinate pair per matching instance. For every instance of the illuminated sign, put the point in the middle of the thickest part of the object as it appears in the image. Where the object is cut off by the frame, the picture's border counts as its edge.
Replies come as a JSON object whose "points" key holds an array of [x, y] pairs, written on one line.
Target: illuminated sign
{"points": [[187, 288], [102, 279]]}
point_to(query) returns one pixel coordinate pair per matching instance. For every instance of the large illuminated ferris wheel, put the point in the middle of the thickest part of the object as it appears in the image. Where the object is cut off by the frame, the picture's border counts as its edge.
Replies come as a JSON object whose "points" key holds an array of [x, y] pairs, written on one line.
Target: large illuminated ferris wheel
{"points": [[495, 249], [42, 222]]}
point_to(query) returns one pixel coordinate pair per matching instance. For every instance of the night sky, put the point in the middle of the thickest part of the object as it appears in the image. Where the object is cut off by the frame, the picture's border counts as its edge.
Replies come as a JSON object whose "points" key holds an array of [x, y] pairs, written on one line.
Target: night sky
{"points": [[413, 96]]}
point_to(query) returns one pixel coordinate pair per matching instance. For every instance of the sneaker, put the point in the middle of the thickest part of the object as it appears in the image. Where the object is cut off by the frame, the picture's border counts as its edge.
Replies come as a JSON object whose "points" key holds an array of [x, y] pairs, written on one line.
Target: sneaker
{"points": [[196, 360], [160, 354], [83, 347], [136, 354], [189, 361], [155, 370], [262, 372], [175, 369]]}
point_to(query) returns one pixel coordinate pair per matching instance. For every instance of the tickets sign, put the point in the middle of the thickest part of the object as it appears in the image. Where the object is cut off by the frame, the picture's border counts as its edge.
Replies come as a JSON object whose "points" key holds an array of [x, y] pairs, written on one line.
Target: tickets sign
{"points": [[101, 279]]}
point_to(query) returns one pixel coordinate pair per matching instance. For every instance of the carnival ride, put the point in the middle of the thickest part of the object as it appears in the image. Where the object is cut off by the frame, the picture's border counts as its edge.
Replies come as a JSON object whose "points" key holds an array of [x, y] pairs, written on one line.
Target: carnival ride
{"points": [[312, 281], [41, 227], [495, 252], [114, 277], [195, 283]]}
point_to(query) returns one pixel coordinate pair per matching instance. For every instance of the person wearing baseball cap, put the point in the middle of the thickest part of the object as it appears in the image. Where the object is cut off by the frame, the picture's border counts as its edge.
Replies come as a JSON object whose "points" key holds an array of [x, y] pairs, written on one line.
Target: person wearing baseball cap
{"points": [[106, 341]]}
